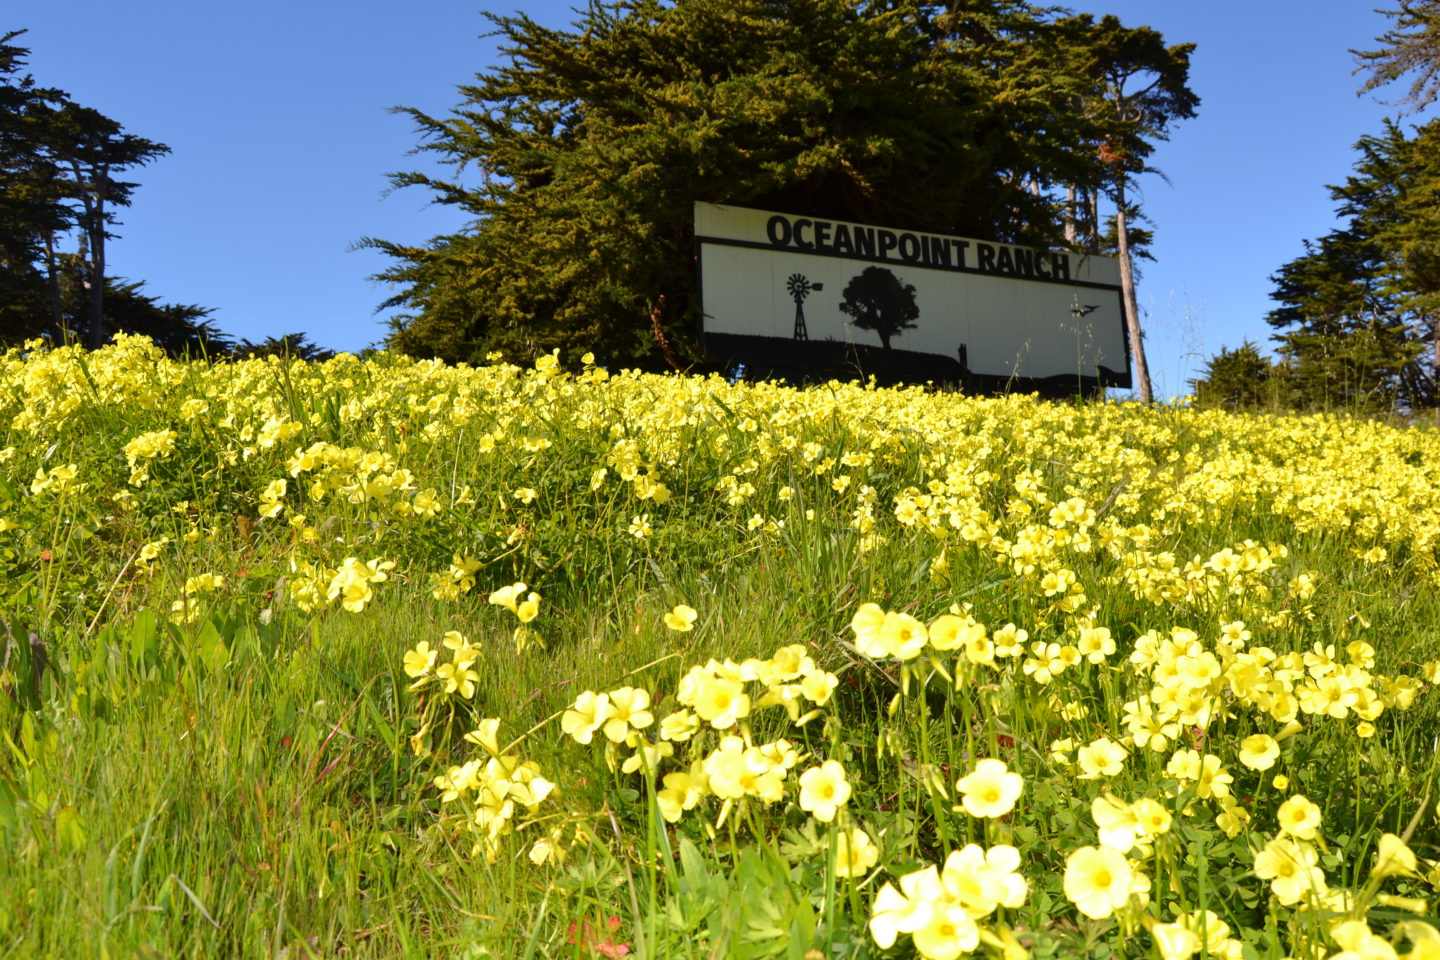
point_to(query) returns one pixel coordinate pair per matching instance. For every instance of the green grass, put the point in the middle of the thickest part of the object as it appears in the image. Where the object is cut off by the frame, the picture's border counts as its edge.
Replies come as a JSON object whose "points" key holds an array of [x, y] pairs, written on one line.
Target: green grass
{"points": [[245, 784]]}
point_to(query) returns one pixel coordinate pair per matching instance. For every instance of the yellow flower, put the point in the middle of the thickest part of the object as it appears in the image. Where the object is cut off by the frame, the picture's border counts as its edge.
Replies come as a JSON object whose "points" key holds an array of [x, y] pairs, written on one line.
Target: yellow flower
{"points": [[457, 678], [681, 618], [950, 932], [629, 708], [1151, 817], [270, 497], [647, 756], [818, 685], [426, 503], [1424, 938], [1299, 817], [1184, 765], [855, 853], [683, 790], [991, 790], [1259, 752], [486, 736], [150, 551], [721, 701], [947, 631], [902, 636], [1213, 781], [1175, 941], [982, 880], [419, 661], [1393, 858], [1097, 881], [866, 623], [1119, 826], [529, 609], [463, 652], [905, 910], [1290, 868], [679, 726], [508, 597], [824, 790], [1096, 643], [589, 714], [1101, 758]]}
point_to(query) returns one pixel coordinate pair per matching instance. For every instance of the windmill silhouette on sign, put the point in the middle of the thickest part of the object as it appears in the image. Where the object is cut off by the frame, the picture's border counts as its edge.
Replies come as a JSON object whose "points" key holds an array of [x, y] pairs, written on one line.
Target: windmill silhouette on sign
{"points": [[800, 286]]}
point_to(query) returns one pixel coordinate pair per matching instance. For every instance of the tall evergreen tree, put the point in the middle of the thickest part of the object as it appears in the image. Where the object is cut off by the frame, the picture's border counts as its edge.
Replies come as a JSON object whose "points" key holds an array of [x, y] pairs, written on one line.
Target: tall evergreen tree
{"points": [[1402, 210], [32, 202], [592, 144], [1411, 47], [95, 149], [1140, 86], [1340, 337], [1239, 379], [60, 165], [1358, 310]]}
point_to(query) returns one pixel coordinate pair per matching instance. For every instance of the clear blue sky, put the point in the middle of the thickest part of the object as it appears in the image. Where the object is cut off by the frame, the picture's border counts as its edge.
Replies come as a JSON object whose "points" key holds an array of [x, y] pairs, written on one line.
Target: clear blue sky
{"points": [[278, 117]]}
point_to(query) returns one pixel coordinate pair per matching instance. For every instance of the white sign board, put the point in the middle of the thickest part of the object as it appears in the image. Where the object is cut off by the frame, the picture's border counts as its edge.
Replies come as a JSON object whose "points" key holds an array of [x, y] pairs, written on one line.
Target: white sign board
{"points": [[795, 291]]}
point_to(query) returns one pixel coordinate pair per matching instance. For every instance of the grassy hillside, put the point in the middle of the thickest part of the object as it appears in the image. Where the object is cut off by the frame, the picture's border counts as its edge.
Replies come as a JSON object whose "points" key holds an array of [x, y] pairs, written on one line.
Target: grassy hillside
{"points": [[399, 659]]}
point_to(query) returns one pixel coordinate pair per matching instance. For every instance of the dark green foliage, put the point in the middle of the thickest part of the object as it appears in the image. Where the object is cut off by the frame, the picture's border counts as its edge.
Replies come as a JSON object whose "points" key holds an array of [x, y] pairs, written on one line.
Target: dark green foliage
{"points": [[289, 346], [1239, 379], [1357, 314], [59, 164], [1410, 48], [181, 330], [30, 201], [592, 144]]}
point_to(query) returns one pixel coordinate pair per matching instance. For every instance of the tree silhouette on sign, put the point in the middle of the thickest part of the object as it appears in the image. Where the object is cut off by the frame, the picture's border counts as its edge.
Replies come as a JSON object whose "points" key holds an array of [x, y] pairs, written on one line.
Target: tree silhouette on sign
{"points": [[878, 300]]}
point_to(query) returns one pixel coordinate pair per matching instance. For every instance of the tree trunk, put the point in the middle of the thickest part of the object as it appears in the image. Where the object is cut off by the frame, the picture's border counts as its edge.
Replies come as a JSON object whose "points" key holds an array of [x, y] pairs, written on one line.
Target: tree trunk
{"points": [[1132, 307], [1070, 215], [97, 284], [1093, 240], [52, 283], [92, 269], [1435, 360]]}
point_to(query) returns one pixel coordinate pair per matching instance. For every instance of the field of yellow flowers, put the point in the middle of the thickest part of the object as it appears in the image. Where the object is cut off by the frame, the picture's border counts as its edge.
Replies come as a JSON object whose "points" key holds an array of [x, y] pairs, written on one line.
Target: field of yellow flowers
{"points": [[397, 659]]}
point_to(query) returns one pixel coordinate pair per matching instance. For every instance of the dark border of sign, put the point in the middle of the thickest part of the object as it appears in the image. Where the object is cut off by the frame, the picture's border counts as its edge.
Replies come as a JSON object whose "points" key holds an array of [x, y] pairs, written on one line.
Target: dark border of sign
{"points": [[756, 245]]}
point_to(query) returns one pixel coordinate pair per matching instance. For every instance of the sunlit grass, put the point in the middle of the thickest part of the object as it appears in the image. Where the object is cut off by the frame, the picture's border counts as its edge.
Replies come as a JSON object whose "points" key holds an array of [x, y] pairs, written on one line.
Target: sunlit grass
{"points": [[215, 744]]}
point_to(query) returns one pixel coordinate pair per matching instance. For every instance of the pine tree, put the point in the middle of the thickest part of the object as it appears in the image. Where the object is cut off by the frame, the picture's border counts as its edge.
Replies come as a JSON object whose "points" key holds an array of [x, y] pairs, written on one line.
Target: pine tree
{"points": [[1140, 86], [60, 164], [1237, 380], [1410, 47], [592, 144]]}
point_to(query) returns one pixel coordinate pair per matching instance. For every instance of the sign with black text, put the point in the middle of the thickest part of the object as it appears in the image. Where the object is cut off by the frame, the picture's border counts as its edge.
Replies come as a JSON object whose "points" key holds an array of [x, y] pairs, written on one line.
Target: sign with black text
{"points": [[787, 291]]}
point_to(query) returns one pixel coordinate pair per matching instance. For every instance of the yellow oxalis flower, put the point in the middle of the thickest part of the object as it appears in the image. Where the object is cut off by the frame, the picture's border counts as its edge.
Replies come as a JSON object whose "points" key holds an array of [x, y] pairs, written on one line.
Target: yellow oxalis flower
{"points": [[1393, 858], [991, 790], [418, 662], [1097, 881], [855, 853], [681, 618], [1299, 817], [1259, 752], [824, 790], [508, 597], [589, 714]]}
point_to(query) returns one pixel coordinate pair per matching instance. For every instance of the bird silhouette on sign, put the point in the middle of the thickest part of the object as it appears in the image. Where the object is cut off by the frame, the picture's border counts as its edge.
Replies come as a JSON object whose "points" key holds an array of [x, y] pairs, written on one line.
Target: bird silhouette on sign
{"points": [[1085, 310]]}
